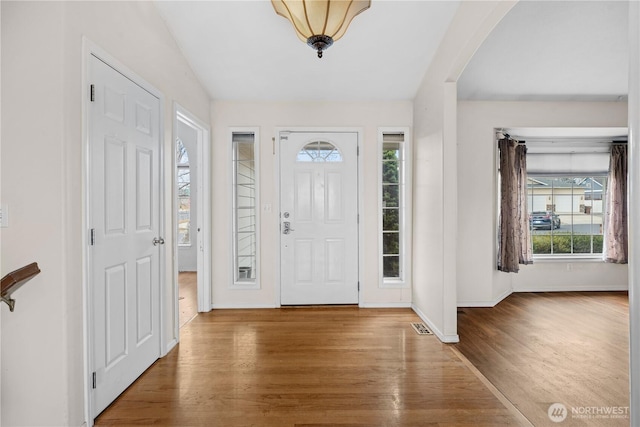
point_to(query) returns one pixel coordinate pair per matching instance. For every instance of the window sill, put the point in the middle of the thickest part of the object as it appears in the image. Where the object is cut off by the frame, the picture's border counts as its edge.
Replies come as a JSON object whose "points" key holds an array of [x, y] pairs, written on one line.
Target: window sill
{"points": [[245, 285], [565, 258], [393, 284]]}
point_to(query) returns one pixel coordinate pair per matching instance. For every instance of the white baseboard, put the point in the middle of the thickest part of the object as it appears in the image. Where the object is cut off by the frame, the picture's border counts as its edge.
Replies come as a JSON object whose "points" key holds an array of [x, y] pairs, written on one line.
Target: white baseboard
{"points": [[448, 339], [385, 305], [571, 288], [240, 306], [485, 303], [170, 345]]}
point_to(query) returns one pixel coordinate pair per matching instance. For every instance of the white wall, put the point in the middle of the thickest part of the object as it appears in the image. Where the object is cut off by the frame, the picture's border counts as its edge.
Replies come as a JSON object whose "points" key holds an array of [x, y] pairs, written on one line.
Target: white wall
{"points": [[1, 266], [34, 356], [268, 116], [634, 219], [42, 182], [435, 265], [479, 283]]}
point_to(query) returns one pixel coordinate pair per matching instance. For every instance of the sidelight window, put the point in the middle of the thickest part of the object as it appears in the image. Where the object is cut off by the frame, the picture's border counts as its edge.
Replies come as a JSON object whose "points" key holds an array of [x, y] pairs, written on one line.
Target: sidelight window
{"points": [[393, 207], [245, 208]]}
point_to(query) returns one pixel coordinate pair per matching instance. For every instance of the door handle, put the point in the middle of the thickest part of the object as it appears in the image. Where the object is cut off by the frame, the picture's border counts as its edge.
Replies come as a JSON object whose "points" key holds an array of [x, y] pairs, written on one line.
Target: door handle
{"points": [[158, 241], [286, 227]]}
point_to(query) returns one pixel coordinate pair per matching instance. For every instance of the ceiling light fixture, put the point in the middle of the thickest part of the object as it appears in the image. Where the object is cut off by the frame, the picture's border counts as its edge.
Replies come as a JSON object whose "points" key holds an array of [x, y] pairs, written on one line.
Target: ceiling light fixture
{"points": [[319, 23]]}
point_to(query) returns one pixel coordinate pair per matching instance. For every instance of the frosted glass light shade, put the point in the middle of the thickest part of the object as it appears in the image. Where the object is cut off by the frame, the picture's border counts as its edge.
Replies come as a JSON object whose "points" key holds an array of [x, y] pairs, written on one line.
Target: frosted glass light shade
{"points": [[320, 22]]}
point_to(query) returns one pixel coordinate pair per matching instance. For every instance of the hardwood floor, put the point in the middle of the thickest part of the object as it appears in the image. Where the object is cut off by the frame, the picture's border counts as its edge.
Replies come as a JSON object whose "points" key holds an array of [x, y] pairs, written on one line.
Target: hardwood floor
{"points": [[544, 348], [312, 366], [188, 296]]}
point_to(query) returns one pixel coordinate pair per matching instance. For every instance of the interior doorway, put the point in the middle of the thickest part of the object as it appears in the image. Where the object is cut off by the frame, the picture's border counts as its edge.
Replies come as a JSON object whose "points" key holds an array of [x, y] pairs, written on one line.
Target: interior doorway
{"points": [[124, 214], [191, 213]]}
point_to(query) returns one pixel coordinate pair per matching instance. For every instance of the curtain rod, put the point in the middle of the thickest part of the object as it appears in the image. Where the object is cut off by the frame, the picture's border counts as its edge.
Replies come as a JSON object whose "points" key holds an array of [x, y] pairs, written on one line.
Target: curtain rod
{"points": [[507, 136]]}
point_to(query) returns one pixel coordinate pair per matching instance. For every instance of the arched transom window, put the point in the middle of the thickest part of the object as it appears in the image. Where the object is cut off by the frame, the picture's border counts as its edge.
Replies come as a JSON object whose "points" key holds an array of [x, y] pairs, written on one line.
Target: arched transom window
{"points": [[319, 151]]}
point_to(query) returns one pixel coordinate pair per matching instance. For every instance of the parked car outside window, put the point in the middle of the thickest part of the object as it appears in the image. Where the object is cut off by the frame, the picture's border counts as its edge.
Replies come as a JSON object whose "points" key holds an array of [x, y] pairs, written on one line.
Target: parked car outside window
{"points": [[544, 219]]}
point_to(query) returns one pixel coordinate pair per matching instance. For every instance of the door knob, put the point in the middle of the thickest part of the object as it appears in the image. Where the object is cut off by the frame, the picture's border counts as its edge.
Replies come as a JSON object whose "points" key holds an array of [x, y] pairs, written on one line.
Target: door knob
{"points": [[286, 227], [158, 241]]}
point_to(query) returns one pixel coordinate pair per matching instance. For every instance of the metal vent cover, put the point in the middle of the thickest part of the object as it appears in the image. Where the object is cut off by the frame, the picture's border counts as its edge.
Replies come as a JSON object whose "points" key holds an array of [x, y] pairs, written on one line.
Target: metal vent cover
{"points": [[421, 329]]}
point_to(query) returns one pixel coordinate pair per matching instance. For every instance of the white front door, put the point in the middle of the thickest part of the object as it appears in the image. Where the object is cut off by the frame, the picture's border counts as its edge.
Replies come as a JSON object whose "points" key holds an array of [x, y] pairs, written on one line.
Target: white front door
{"points": [[319, 217], [124, 216]]}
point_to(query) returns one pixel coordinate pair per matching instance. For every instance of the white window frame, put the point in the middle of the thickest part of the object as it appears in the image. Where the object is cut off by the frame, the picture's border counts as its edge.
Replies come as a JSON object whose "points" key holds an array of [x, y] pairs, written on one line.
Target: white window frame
{"points": [[237, 283], [597, 256], [405, 229], [178, 167]]}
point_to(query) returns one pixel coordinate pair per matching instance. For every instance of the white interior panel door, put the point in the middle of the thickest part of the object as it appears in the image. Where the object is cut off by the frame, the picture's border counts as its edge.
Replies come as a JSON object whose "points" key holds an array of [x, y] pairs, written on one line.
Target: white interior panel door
{"points": [[124, 200], [319, 218]]}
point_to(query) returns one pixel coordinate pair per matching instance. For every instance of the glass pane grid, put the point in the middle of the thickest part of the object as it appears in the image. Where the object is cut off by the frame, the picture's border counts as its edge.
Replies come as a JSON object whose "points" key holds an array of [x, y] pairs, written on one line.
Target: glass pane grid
{"points": [[319, 151], [566, 214], [392, 193]]}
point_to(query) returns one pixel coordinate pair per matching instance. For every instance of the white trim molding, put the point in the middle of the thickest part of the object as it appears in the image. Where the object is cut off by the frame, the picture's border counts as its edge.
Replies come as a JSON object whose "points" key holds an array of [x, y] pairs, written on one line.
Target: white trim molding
{"points": [[448, 339], [89, 50], [241, 306], [405, 208], [385, 305], [233, 283], [491, 303], [203, 215]]}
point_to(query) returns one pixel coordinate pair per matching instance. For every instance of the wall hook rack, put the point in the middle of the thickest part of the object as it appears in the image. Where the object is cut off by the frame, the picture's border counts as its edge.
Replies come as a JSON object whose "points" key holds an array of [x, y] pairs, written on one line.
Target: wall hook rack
{"points": [[14, 280]]}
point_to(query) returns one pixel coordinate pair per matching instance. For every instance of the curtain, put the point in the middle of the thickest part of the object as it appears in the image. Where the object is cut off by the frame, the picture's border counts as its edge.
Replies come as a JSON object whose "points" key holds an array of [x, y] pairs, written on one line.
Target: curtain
{"points": [[514, 241], [526, 249], [616, 241]]}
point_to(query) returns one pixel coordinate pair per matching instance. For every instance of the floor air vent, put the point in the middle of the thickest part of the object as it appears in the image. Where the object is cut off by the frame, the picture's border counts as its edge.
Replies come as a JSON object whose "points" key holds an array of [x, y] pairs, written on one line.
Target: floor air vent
{"points": [[421, 329]]}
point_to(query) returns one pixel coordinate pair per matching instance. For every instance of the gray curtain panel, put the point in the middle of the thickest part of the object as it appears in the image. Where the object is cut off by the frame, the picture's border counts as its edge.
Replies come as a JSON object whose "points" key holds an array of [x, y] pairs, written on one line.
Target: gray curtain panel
{"points": [[526, 248], [616, 239], [514, 242]]}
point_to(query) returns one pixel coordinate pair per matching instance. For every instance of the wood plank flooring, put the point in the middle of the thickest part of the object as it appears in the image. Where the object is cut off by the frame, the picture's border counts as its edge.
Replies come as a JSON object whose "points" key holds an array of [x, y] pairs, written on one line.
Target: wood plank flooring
{"points": [[188, 296], [545, 348], [312, 366]]}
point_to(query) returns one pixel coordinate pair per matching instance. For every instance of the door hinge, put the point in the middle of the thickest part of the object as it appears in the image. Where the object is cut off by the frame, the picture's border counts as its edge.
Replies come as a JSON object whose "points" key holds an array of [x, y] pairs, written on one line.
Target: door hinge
{"points": [[93, 380], [92, 93], [357, 150], [358, 286], [358, 219], [92, 237]]}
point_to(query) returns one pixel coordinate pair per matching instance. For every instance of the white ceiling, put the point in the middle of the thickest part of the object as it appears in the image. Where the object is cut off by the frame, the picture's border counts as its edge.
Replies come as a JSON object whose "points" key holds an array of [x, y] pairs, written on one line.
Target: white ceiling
{"points": [[553, 50], [242, 50], [559, 50]]}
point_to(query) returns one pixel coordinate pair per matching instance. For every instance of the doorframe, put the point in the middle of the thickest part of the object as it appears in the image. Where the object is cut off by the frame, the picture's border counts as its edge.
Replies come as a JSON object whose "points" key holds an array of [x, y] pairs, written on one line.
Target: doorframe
{"points": [[203, 209], [89, 49], [277, 167]]}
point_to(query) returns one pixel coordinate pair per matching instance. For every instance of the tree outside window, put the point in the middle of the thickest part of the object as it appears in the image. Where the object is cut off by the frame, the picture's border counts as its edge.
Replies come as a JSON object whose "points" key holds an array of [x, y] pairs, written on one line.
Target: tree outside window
{"points": [[184, 194], [391, 208]]}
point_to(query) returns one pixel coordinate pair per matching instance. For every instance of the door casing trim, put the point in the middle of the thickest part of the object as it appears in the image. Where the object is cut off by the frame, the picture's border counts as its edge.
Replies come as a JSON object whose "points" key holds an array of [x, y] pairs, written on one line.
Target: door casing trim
{"points": [[203, 215], [89, 49]]}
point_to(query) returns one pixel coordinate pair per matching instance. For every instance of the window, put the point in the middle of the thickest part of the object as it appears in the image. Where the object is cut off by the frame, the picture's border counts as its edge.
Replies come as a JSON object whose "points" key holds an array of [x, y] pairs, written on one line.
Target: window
{"points": [[566, 214], [566, 191], [392, 201], [184, 194], [245, 208], [319, 151]]}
